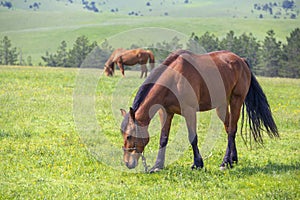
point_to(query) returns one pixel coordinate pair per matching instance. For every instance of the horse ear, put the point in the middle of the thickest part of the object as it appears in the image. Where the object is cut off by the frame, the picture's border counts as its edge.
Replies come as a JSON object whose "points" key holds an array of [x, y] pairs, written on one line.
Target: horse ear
{"points": [[132, 113], [123, 112]]}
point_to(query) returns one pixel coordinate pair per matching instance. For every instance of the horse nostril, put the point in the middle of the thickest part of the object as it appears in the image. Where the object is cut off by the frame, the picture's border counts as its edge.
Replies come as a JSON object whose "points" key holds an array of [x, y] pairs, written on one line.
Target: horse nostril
{"points": [[130, 165]]}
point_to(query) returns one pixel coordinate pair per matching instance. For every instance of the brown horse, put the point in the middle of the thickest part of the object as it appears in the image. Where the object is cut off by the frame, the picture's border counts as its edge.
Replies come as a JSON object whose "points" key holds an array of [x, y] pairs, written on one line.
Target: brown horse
{"points": [[186, 83], [129, 57]]}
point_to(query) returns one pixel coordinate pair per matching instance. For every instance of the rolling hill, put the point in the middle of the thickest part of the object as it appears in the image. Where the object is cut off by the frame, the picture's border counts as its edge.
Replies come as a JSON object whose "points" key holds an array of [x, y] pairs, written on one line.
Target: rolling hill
{"points": [[37, 26], [174, 8]]}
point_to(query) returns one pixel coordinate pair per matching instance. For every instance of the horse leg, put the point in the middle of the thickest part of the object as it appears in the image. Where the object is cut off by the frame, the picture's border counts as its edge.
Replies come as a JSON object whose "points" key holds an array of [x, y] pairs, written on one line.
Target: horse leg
{"points": [[191, 120], [121, 66], [231, 152], [223, 114], [146, 70], [165, 119], [143, 70]]}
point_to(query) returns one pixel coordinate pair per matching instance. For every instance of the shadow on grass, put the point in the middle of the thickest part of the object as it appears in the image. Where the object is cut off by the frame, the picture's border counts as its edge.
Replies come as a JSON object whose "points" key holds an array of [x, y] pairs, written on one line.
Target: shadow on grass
{"points": [[238, 171], [270, 168]]}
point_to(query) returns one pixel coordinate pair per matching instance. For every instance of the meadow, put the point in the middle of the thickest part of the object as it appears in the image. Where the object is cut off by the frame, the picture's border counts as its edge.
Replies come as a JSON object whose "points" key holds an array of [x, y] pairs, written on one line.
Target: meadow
{"points": [[45, 155], [31, 32]]}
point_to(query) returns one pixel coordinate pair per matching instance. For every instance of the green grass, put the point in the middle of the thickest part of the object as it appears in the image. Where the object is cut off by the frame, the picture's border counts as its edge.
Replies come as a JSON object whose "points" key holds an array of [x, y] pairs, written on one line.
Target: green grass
{"points": [[31, 32], [43, 155]]}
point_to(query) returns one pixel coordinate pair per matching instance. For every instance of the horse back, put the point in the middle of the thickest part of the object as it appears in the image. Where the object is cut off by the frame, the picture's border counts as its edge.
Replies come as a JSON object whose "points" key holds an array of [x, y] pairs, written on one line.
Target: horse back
{"points": [[116, 54], [214, 76]]}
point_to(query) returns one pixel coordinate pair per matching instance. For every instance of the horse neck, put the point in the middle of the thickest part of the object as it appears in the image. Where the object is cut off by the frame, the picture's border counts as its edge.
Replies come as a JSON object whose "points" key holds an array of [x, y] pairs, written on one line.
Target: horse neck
{"points": [[111, 59], [150, 105], [108, 62]]}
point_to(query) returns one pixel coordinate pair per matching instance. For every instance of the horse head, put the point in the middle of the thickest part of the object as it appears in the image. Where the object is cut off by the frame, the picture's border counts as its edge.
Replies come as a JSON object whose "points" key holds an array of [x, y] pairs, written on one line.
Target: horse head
{"points": [[135, 138], [108, 71]]}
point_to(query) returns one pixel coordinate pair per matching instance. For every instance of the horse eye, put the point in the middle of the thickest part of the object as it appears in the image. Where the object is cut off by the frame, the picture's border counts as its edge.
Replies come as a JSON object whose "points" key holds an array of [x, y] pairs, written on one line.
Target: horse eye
{"points": [[129, 137]]}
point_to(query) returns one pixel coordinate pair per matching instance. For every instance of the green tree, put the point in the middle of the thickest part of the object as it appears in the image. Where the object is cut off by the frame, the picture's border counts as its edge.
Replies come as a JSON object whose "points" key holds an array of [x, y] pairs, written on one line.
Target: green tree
{"points": [[271, 56], [247, 46], [206, 43], [229, 42], [50, 59], [79, 51], [193, 44], [59, 59], [8, 54], [72, 58], [29, 61], [209, 42], [62, 55], [162, 50], [291, 61], [106, 46]]}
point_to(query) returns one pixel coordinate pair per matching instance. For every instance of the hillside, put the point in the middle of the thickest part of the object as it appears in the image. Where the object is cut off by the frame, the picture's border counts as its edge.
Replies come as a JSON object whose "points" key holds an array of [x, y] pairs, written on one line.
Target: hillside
{"points": [[174, 8], [40, 28]]}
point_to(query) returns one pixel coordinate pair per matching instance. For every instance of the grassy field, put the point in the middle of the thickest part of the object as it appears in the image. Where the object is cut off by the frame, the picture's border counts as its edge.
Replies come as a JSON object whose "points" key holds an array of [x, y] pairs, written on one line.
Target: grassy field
{"points": [[31, 31], [44, 155]]}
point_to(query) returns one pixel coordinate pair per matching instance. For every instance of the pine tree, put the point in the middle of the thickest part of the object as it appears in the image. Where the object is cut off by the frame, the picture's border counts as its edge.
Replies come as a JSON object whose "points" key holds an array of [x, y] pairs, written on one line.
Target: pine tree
{"points": [[209, 42], [229, 42], [8, 54], [80, 50], [290, 64], [62, 55], [248, 47], [50, 59], [271, 55]]}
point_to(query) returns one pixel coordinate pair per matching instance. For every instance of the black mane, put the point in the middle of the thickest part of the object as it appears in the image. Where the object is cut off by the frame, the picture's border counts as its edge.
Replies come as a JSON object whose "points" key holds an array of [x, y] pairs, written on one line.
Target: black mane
{"points": [[151, 80], [141, 95]]}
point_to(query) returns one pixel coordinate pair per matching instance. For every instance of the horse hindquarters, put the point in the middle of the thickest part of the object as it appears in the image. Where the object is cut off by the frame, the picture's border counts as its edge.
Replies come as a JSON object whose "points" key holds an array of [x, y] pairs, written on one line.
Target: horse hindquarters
{"points": [[236, 101], [235, 105]]}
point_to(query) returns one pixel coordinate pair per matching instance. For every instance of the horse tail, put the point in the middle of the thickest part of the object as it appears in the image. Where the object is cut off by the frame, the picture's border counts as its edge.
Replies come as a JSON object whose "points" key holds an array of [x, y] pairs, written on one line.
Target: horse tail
{"points": [[258, 112], [151, 59]]}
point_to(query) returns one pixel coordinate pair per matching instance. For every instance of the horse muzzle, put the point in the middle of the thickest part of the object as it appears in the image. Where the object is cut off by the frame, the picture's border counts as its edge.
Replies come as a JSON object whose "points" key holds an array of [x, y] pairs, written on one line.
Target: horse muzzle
{"points": [[131, 165], [132, 160]]}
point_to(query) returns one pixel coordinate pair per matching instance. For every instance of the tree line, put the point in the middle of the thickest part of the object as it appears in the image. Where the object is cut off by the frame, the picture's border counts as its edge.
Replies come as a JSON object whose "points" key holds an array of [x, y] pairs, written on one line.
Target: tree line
{"points": [[269, 57], [73, 57]]}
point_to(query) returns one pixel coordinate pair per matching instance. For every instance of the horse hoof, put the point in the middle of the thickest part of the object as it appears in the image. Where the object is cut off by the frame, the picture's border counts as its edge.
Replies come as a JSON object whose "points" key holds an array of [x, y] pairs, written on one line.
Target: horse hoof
{"points": [[154, 170], [222, 168], [194, 167]]}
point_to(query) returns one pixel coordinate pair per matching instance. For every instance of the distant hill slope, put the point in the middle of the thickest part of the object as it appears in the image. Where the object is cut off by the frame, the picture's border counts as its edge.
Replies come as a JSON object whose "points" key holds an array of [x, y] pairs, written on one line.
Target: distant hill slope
{"points": [[174, 8], [37, 26]]}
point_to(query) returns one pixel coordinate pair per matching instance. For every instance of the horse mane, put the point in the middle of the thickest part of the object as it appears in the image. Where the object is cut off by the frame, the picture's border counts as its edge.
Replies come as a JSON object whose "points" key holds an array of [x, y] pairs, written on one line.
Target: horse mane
{"points": [[153, 77]]}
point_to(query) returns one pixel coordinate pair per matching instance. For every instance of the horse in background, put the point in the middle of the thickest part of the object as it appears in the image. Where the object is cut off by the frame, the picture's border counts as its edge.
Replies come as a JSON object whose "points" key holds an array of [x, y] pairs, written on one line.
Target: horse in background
{"points": [[109, 66], [132, 57]]}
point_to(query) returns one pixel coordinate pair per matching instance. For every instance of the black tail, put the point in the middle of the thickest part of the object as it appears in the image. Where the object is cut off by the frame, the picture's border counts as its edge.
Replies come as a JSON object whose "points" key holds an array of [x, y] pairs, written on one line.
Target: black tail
{"points": [[258, 112]]}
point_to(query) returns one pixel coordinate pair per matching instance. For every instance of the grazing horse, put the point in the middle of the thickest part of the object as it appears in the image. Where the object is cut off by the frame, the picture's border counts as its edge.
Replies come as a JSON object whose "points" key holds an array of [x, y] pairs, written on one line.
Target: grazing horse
{"points": [[129, 57], [109, 66], [186, 83]]}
